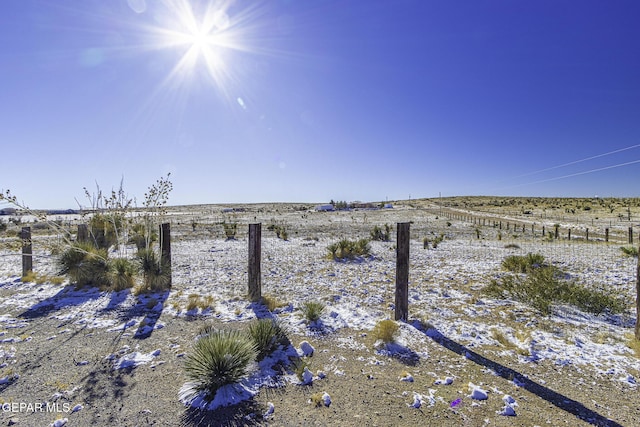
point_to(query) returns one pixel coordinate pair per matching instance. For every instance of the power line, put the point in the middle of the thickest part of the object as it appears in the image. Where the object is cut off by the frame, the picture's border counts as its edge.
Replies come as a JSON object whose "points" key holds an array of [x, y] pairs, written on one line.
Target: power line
{"points": [[576, 174], [577, 161]]}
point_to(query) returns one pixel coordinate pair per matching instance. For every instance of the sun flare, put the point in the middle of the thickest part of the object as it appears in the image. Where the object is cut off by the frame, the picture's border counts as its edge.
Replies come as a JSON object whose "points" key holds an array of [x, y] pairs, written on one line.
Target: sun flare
{"points": [[203, 36]]}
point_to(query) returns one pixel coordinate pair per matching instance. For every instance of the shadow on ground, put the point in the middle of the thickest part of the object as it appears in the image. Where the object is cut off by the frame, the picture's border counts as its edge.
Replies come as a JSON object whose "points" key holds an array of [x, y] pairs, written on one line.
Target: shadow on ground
{"points": [[559, 400], [247, 413]]}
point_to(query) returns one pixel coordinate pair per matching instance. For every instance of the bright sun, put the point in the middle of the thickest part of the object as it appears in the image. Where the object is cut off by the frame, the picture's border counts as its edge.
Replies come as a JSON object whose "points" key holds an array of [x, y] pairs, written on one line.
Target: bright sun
{"points": [[203, 39]]}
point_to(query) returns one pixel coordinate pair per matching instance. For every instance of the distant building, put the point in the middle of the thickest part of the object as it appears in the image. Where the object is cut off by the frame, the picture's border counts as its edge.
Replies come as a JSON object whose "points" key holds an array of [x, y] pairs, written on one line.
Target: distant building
{"points": [[325, 208], [388, 206], [8, 211]]}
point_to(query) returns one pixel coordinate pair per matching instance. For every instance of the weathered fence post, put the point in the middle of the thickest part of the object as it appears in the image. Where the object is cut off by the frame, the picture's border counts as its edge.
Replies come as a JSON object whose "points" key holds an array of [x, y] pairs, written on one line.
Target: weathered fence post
{"points": [[165, 247], [637, 330], [402, 272], [83, 233], [631, 235], [557, 232], [27, 251], [606, 234], [544, 232], [587, 233], [569, 235], [255, 282]]}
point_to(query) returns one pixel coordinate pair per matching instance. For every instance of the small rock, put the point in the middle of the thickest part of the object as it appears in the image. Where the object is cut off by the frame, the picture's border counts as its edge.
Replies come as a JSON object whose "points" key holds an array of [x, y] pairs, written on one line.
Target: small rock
{"points": [[306, 349]]}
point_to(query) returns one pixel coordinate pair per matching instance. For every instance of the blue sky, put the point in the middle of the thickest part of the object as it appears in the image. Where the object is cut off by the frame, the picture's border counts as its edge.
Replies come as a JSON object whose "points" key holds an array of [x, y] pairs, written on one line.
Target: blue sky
{"points": [[312, 100]]}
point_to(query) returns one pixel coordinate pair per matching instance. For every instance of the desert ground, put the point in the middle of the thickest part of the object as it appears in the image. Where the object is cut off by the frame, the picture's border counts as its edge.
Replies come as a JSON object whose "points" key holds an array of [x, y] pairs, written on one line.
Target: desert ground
{"points": [[82, 356]]}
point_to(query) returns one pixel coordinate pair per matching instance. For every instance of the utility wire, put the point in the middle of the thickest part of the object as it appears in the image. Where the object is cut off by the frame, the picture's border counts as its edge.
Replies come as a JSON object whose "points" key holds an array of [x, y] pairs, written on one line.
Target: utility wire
{"points": [[576, 174]]}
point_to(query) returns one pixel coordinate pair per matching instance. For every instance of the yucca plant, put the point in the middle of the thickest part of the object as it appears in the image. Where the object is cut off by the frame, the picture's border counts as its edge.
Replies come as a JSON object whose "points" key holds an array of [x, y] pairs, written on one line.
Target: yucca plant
{"points": [[121, 273], [268, 335], [523, 264], [312, 310], [380, 234], [349, 249], [230, 229], [141, 236], [155, 275], [220, 358], [85, 264]]}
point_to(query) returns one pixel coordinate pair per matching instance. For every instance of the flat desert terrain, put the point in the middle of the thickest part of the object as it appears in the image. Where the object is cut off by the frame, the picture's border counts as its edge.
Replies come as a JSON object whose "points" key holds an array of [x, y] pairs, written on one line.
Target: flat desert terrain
{"points": [[81, 356]]}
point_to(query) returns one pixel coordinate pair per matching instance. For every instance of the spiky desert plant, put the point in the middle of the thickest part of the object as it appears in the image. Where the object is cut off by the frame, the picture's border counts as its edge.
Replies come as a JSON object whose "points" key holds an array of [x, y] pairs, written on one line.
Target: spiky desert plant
{"points": [[85, 264], [268, 335], [220, 358], [230, 229], [142, 236], [385, 330], [523, 264], [380, 234], [156, 276], [121, 274], [312, 310], [349, 249]]}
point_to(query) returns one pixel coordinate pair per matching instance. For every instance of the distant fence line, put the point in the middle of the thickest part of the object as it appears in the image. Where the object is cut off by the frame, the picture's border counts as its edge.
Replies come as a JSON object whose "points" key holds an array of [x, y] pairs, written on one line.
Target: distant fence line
{"points": [[254, 282], [558, 232]]}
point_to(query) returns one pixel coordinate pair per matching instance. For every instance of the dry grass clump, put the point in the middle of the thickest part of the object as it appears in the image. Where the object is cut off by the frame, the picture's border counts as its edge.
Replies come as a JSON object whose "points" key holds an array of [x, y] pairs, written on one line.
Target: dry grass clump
{"points": [[272, 302], [196, 301], [385, 330], [312, 310]]}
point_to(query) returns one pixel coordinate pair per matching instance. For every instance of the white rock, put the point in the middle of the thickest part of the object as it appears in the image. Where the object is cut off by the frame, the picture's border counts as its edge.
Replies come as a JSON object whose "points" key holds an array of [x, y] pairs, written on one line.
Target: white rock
{"points": [[446, 381], [306, 349], [270, 410], [477, 393], [326, 399], [408, 378], [59, 423], [508, 411], [307, 377]]}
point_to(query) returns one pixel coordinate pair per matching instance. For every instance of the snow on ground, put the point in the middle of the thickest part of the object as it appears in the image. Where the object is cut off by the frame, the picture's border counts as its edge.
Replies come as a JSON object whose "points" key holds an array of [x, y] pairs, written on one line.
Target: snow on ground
{"points": [[443, 292]]}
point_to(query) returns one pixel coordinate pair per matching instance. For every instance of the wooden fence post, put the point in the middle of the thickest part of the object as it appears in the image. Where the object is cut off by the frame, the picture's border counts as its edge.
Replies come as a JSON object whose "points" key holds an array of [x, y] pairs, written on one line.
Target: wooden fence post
{"points": [[569, 235], [587, 234], [402, 272], [606, 234], [637, 329], [631, 235], [27, 251], [255, 281], [557, 233], [165, 247], [83, 233]]}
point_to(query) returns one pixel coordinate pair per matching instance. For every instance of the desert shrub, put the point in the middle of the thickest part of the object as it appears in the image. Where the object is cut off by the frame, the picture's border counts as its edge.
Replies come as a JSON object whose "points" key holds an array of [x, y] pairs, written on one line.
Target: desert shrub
{"points": [[141, 235], [631, 251], [3, 226], [230, 229], [437, 241], [85, 264], [121, 273], [219, 358], [545, 286], [280, 230], [349, 249], [271, 302], [511, 246], [104, 229], [156, 275], [385, 330], [312, 310], [523, 264], [267, 335], [380, 234], [425, 243]]}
